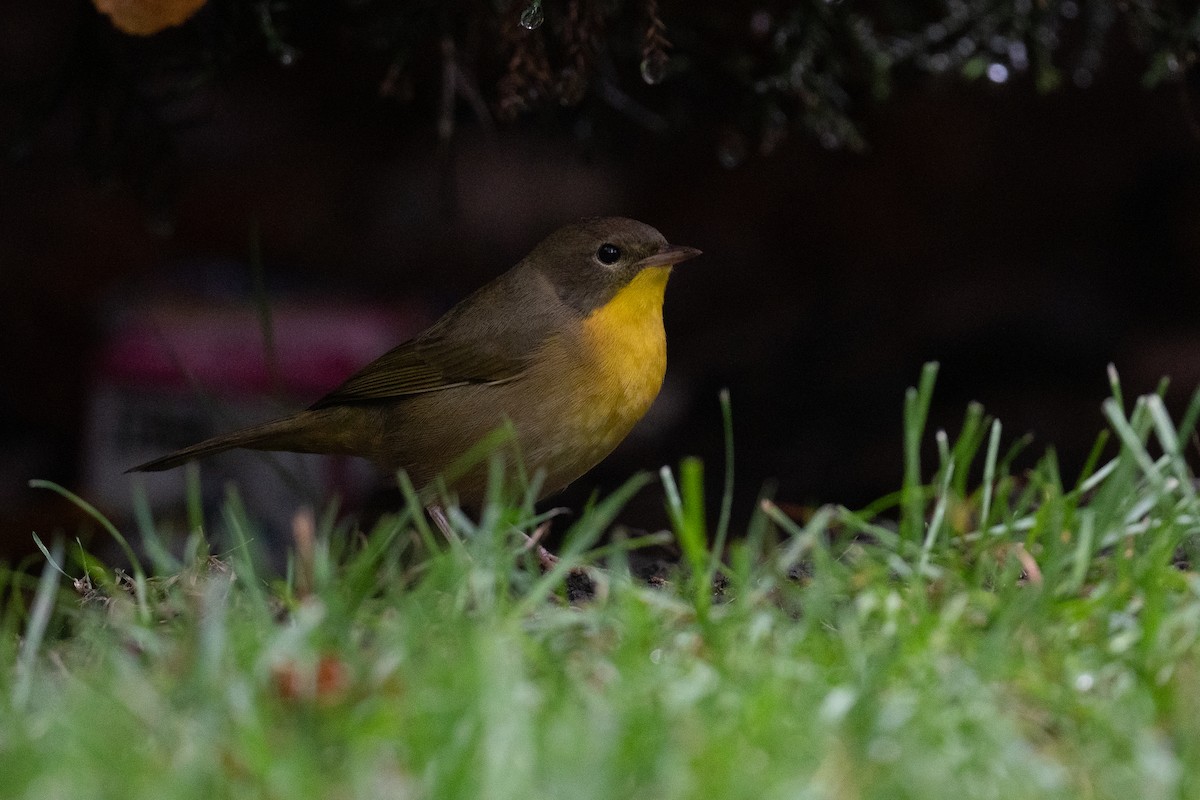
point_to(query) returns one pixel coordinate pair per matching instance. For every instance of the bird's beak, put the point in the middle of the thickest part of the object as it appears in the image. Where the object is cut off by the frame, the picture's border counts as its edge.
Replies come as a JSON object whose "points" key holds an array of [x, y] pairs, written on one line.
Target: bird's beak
{"points": [[669, 255]]}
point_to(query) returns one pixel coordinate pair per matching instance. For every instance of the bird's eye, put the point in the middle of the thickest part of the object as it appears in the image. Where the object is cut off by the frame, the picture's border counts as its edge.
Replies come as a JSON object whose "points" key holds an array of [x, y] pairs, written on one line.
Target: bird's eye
{"points": [[608, 253]]}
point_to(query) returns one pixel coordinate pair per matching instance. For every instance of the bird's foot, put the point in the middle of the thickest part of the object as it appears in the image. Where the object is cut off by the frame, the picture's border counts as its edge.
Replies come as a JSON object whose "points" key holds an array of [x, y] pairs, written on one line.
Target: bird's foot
{"points": [[546, 559]]}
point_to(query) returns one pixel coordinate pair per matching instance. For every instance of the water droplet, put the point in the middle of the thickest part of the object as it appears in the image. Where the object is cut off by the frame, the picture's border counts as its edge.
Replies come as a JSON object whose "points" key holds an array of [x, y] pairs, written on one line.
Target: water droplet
{"points": [[287, 55], [1018, 54], [654, 68], [830, 140], [731, 151], [532, 17], [900, 48]]}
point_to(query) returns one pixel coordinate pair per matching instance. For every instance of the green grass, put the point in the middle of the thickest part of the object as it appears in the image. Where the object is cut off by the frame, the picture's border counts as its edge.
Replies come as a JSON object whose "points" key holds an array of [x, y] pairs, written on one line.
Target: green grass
{"points": [[1015, 636]]}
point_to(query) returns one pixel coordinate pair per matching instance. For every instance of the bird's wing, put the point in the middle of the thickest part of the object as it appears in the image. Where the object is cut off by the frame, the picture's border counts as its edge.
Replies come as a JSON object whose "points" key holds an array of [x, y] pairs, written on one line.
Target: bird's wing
{"points": [[424, 365], [456, 351]]}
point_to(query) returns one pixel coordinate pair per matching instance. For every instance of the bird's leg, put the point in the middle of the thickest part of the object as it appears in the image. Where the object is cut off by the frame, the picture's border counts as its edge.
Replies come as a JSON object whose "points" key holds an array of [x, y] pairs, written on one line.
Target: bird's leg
{"points": [[545, 557]]}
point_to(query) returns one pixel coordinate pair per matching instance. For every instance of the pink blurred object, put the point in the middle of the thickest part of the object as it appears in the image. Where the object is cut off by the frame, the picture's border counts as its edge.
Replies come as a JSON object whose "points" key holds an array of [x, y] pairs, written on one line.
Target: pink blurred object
{"points": [[172, 373], [222, 349]]}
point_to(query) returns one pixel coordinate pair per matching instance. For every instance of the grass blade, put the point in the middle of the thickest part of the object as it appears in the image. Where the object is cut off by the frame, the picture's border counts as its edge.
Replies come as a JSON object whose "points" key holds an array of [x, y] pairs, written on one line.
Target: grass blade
{"points": [[35, 631], [726, 512], [916, 414], [139, 575]]}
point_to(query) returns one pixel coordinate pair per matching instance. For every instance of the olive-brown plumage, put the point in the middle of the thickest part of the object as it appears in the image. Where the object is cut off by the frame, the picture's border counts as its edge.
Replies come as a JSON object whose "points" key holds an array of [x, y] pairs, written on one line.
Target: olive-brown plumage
{"points": [[567, 347]]}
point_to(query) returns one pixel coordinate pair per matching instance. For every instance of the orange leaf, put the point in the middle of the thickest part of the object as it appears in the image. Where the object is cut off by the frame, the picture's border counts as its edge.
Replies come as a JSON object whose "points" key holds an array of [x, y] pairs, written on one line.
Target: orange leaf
{"points": [[147, 17]]}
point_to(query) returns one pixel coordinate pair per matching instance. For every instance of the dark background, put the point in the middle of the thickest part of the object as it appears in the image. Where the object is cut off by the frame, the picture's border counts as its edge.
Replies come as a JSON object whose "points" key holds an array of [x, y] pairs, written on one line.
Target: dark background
{"points": [[1024, 240]]}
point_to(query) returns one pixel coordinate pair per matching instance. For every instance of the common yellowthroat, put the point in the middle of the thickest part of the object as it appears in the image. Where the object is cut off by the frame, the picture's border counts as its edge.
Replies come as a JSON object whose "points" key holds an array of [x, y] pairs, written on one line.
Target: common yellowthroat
{"points": [[567, 346]]}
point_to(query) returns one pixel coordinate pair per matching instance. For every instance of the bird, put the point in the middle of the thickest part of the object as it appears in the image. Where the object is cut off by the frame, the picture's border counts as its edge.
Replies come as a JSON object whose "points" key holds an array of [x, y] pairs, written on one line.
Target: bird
{"points": [[566, 351]]}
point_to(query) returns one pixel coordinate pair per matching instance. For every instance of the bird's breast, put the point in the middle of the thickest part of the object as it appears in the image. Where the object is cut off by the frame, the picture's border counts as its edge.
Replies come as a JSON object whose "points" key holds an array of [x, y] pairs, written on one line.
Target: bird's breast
{"points": [[626, 352]]}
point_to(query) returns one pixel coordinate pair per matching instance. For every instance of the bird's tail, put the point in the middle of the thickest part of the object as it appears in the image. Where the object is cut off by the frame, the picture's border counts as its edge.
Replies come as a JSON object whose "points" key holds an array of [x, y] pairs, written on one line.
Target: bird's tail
{"points": [[282, 434]]}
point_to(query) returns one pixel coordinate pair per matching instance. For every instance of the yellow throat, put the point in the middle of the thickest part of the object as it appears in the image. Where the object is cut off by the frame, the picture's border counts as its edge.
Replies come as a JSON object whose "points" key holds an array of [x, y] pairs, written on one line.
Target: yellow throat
{"points": [[629, 346]]}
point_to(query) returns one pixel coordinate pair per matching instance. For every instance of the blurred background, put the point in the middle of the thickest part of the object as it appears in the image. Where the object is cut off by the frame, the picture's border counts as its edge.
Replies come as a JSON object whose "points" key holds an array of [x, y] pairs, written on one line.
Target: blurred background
{"points": [[212, 212]]}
